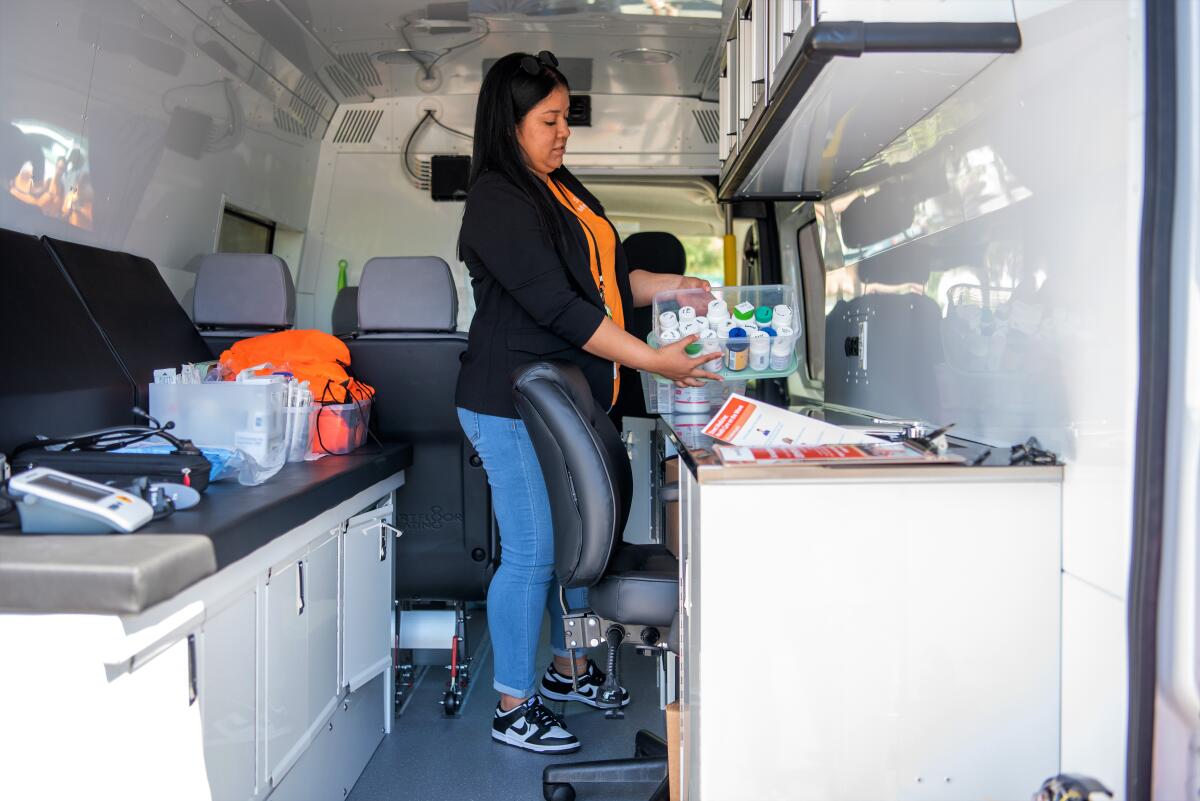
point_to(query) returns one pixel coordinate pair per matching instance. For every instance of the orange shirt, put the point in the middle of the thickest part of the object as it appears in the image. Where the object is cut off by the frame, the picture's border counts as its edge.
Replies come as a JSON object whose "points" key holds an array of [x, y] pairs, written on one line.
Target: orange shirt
{"points": [[602, 254]]}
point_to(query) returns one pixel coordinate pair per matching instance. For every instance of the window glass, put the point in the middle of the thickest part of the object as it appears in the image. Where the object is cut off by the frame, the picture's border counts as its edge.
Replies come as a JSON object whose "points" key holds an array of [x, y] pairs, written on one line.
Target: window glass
{"points": [[241, 233], [705, 257]]}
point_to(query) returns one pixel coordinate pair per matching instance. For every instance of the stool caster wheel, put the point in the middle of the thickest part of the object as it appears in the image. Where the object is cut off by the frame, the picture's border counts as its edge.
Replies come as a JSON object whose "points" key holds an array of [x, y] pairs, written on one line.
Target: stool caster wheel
{"points": [[451, 702], [558, 792]]}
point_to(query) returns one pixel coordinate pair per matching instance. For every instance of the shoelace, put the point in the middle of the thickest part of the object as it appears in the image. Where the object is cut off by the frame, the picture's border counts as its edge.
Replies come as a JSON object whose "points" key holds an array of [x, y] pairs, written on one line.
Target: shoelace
{"points": [[540, 715]]}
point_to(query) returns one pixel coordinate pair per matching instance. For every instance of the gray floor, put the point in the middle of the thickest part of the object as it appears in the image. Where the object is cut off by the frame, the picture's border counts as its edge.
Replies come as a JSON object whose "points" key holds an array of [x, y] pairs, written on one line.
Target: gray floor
{"points": [[429, 757]]}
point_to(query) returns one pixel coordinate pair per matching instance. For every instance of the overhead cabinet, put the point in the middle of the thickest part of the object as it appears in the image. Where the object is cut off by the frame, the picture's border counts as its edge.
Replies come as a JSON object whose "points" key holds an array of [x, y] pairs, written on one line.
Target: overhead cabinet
{"points": [[811, 89]]}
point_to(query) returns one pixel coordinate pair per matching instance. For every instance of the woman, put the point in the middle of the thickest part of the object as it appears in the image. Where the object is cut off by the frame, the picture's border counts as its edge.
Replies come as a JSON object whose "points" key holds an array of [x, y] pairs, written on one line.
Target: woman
{"points": [[550, 281]]}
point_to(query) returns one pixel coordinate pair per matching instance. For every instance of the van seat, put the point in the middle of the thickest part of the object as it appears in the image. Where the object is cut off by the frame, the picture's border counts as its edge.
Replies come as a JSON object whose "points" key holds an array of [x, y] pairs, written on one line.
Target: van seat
{"points": [[409, 351], [240, 295], [344, 320]]}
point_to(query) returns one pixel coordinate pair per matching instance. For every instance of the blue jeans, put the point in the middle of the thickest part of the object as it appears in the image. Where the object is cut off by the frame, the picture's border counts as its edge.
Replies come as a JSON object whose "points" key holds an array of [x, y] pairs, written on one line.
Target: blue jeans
{"points": [[524, 584]]}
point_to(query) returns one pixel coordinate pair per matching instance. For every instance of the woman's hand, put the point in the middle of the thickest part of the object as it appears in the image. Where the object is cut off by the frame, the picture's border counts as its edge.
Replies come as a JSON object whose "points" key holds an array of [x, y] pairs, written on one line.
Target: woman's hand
{"points": [[672, 361], [691, 282], [646, 285]]}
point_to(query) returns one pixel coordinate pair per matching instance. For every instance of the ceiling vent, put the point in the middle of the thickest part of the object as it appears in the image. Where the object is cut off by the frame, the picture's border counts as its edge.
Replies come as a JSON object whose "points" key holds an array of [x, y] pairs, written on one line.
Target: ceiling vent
{"points": [[342, 80], [289, 124], [359, 65], [706, 119], [358, 126]]}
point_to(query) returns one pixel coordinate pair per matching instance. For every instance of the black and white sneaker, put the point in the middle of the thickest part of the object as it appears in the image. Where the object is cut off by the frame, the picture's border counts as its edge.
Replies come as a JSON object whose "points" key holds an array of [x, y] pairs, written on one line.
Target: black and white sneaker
{"points": [[534, 727], [557, 687]]}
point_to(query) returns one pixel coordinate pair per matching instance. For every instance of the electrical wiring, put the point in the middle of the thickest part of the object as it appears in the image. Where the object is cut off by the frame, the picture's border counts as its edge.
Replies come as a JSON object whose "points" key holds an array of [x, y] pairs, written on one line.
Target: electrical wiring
{"points": [[454, 131], [428, 68], [408, 144], [429, 115]]}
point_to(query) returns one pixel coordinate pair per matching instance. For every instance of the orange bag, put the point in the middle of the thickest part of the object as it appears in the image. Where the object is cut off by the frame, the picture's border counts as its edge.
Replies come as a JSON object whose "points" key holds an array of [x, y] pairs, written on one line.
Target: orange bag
{"points": [[316, 357]]}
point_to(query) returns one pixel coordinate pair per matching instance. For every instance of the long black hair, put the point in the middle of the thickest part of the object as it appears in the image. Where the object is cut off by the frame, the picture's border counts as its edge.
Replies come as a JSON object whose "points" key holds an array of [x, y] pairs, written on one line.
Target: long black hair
{"points": [[508, 93]]}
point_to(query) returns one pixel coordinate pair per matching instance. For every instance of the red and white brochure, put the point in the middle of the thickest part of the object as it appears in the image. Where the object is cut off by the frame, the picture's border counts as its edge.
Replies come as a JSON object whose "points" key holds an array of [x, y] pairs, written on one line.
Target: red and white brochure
{"points": [[744, 421], [864, 452]]}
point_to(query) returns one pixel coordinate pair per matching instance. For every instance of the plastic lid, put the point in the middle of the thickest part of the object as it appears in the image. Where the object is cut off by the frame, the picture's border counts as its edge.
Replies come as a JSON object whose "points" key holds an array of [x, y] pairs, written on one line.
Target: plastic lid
{"points": [[692, 349], [763, 314], [768, 330], [743, 314], [735, 332]]}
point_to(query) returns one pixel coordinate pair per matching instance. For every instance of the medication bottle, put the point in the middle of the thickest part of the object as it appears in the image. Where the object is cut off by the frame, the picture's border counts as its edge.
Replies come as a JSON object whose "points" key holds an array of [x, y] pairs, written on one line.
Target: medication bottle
{"points": [[781, 349], [688, 328], [670, 335], [762, 316], [711, 347], [667, 321], [744, 312], [737, 355], [781, 316], [686, 315], [691, 400], [717, 310], [703, 323], [760, 351]]}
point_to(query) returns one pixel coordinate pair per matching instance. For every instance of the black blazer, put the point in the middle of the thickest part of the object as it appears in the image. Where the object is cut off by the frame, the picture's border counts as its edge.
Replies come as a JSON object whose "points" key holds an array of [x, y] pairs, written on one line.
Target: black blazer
{"points": [[531, 303]]}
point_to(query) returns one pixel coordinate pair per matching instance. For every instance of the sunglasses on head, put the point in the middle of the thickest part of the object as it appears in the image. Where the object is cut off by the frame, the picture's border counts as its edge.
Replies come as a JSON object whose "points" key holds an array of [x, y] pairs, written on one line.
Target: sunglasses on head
{"points": [[534, 64]]}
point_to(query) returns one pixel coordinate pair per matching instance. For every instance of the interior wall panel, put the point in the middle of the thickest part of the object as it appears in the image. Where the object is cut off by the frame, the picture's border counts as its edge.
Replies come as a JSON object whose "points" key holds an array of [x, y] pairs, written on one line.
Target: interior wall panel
{"points": [[154, 132]]}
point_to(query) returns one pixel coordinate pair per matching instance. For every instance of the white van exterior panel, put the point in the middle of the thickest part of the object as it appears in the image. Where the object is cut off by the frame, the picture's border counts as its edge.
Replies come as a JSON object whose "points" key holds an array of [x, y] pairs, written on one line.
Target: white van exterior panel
{"points": [[108, 77]]}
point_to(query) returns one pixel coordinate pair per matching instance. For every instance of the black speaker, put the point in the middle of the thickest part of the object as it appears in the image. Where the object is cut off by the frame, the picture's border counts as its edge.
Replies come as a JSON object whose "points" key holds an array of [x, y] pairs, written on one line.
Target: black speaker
{"points": [[448, 177]]}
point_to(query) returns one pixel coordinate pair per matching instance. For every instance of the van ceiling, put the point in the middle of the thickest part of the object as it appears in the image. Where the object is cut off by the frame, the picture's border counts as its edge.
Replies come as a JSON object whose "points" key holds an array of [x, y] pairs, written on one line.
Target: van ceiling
{"points": [[388, 48]]}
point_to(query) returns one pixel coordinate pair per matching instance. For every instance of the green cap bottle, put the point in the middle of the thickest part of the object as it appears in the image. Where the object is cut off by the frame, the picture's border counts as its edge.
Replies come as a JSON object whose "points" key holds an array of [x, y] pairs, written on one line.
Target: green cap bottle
{"points": [[693, 349]]}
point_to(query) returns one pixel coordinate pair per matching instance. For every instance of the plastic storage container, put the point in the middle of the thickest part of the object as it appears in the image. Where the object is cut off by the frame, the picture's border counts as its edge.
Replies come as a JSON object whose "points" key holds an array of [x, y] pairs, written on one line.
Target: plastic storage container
{"points": [[341, 427], [743, 322], [225, 414]]}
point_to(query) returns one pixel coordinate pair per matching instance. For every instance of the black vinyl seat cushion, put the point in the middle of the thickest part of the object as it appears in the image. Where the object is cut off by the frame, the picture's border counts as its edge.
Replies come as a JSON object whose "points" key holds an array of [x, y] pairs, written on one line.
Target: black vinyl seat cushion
{"points": [[640, 588]]}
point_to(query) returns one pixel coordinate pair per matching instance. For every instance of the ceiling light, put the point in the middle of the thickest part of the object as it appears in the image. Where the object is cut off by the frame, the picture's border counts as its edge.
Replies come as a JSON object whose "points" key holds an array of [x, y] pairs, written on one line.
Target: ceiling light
{"points": [[644, 55], [403, 55]]}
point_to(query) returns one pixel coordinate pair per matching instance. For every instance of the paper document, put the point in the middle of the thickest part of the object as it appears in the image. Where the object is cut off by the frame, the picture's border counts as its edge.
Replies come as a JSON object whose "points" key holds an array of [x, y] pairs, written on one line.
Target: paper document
{"points": [[860, 453], [743, 421]]}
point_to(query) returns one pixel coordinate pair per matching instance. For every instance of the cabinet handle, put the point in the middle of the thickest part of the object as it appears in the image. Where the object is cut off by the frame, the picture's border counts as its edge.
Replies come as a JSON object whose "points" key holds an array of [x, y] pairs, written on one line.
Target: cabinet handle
{"points": [[193, 684], [300, 588], [384, 530]]}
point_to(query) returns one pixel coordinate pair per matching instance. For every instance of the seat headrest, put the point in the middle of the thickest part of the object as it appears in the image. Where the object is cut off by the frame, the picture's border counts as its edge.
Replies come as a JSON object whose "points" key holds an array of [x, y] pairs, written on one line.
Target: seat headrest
{"points": [[243, 290], [406, 293], [345, 312], [656, 251]]}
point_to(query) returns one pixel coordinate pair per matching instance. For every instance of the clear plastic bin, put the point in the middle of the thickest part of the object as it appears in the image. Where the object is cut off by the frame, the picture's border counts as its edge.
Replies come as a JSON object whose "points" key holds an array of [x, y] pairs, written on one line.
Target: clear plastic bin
{"points": [[225, 414], [756, 342], [659, 394], [341, 427]]}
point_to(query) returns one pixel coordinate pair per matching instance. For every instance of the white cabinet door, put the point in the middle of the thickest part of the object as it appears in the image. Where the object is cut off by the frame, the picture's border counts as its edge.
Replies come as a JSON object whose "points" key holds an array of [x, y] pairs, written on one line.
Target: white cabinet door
{"points": [[226, 689], [322, 613], [287, 668], [367, 600]]}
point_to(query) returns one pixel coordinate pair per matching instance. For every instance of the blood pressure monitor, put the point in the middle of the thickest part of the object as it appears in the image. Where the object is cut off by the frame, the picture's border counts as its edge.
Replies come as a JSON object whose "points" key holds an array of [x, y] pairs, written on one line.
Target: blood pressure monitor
{"points": [[53, 502]]}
